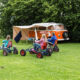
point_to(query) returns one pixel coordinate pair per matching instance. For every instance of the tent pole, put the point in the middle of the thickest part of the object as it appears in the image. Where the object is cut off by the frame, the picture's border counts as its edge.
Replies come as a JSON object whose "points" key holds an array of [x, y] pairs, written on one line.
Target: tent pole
{"points": [[36, 34]]}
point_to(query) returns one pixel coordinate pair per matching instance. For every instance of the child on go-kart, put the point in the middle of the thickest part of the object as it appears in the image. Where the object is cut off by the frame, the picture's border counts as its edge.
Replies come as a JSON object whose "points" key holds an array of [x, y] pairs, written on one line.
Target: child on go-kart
{"points": [[53, 39], [5, 42], [40, 43], [53, 42], [7, 46]]}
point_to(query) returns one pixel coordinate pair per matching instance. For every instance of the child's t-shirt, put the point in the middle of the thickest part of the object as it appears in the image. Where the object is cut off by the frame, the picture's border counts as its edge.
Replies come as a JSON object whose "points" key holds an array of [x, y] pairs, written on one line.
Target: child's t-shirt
{"points": [[5, 42], [53, 39], [41, 41]]}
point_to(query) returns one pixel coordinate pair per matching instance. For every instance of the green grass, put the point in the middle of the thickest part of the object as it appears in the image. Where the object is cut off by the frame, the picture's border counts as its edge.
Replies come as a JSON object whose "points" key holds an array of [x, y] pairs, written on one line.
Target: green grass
{"points": [[64, 65]]}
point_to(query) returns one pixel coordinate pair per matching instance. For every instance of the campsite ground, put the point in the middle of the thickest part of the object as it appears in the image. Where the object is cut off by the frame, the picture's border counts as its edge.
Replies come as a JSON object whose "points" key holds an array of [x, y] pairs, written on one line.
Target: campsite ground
{"points": [[64, 65]]}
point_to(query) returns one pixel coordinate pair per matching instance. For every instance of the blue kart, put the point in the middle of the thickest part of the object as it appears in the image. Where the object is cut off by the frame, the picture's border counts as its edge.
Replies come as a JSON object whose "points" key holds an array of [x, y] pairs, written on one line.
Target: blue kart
{"points": [[38, 50], [8, 49]]}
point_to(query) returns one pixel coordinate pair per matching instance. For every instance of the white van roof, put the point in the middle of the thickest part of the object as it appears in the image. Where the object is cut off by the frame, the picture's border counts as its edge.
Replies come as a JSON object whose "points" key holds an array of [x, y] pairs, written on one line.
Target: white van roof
{"points": [[39, 24], [46, 24]]}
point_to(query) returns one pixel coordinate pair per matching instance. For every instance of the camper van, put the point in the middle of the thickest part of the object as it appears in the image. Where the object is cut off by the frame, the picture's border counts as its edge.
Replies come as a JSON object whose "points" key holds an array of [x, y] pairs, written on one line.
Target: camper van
{"points": [[48, 28], [36, 30]]}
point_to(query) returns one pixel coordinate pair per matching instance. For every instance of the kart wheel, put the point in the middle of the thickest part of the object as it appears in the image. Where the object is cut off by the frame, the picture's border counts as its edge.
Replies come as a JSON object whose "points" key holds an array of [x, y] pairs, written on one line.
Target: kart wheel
{"points": [[15, 51], [5, 53], [50, 50], [22, 52], [39, 55], [49, 53], [56, 49]]}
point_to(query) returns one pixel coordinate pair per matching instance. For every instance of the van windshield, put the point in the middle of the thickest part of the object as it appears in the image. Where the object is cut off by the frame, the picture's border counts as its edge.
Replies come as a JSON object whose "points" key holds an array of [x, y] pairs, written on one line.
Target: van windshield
{"points": [[59, 27]]}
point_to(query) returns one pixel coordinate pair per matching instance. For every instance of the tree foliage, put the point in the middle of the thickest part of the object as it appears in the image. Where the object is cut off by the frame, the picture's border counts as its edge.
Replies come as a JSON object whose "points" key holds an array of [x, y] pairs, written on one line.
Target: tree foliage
{"points": [[26, 12]]}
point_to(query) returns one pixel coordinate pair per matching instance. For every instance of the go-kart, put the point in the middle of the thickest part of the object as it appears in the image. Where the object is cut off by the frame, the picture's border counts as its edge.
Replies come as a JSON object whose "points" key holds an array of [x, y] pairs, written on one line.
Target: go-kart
{"points": [[8, 49], [38, 50], [53, 47]]}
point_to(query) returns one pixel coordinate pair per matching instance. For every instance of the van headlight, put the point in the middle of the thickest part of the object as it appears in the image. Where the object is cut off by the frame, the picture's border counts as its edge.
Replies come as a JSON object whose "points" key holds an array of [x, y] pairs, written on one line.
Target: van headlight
{"points": [[59, 35]]}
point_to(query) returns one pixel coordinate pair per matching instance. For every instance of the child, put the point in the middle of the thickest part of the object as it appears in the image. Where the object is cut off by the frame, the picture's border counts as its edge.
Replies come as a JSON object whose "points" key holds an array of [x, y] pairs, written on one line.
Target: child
{"points": [[41, 41], [5, 42], [53, 39]]}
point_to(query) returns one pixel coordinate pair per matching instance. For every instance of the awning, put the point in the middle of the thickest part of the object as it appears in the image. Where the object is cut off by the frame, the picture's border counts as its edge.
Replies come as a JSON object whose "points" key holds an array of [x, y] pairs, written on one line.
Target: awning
{"points": [[23, 27], [46, 24], [39, 25]]}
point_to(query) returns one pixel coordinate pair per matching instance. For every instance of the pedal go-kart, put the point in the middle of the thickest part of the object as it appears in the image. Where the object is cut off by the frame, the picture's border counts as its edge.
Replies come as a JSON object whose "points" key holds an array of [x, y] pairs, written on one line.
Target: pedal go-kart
{"points": [[8, 49], [38, 50], [53, 47]]}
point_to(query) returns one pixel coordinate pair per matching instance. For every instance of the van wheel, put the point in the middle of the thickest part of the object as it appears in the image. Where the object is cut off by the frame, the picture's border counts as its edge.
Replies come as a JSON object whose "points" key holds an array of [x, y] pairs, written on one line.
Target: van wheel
{"points": [[65, 34]]}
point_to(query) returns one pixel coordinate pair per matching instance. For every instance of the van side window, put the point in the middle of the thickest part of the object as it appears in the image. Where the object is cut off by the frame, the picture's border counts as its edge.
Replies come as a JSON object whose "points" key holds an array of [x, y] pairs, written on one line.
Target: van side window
{"points": [[59, 27], [42, 28], [51, 27]]}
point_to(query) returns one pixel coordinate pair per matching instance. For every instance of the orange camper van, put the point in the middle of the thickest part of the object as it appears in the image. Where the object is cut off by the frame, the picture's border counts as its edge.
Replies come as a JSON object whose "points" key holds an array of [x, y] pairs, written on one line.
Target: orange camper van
{"points": [[48, 28]]}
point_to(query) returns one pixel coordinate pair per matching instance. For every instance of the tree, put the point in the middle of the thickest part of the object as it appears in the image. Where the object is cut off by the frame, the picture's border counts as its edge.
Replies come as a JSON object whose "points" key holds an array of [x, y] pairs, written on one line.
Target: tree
{"points": [[26, 12], [69, 14]]}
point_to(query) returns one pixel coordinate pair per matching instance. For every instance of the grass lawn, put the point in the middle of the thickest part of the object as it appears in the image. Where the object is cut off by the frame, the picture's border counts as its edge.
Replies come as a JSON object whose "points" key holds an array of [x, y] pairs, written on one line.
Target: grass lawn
{"points": [[64, 65]]}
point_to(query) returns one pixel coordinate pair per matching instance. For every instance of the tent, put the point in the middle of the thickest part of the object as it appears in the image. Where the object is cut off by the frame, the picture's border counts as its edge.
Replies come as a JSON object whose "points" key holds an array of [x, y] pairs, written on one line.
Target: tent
{"points": [[25, 30]]}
